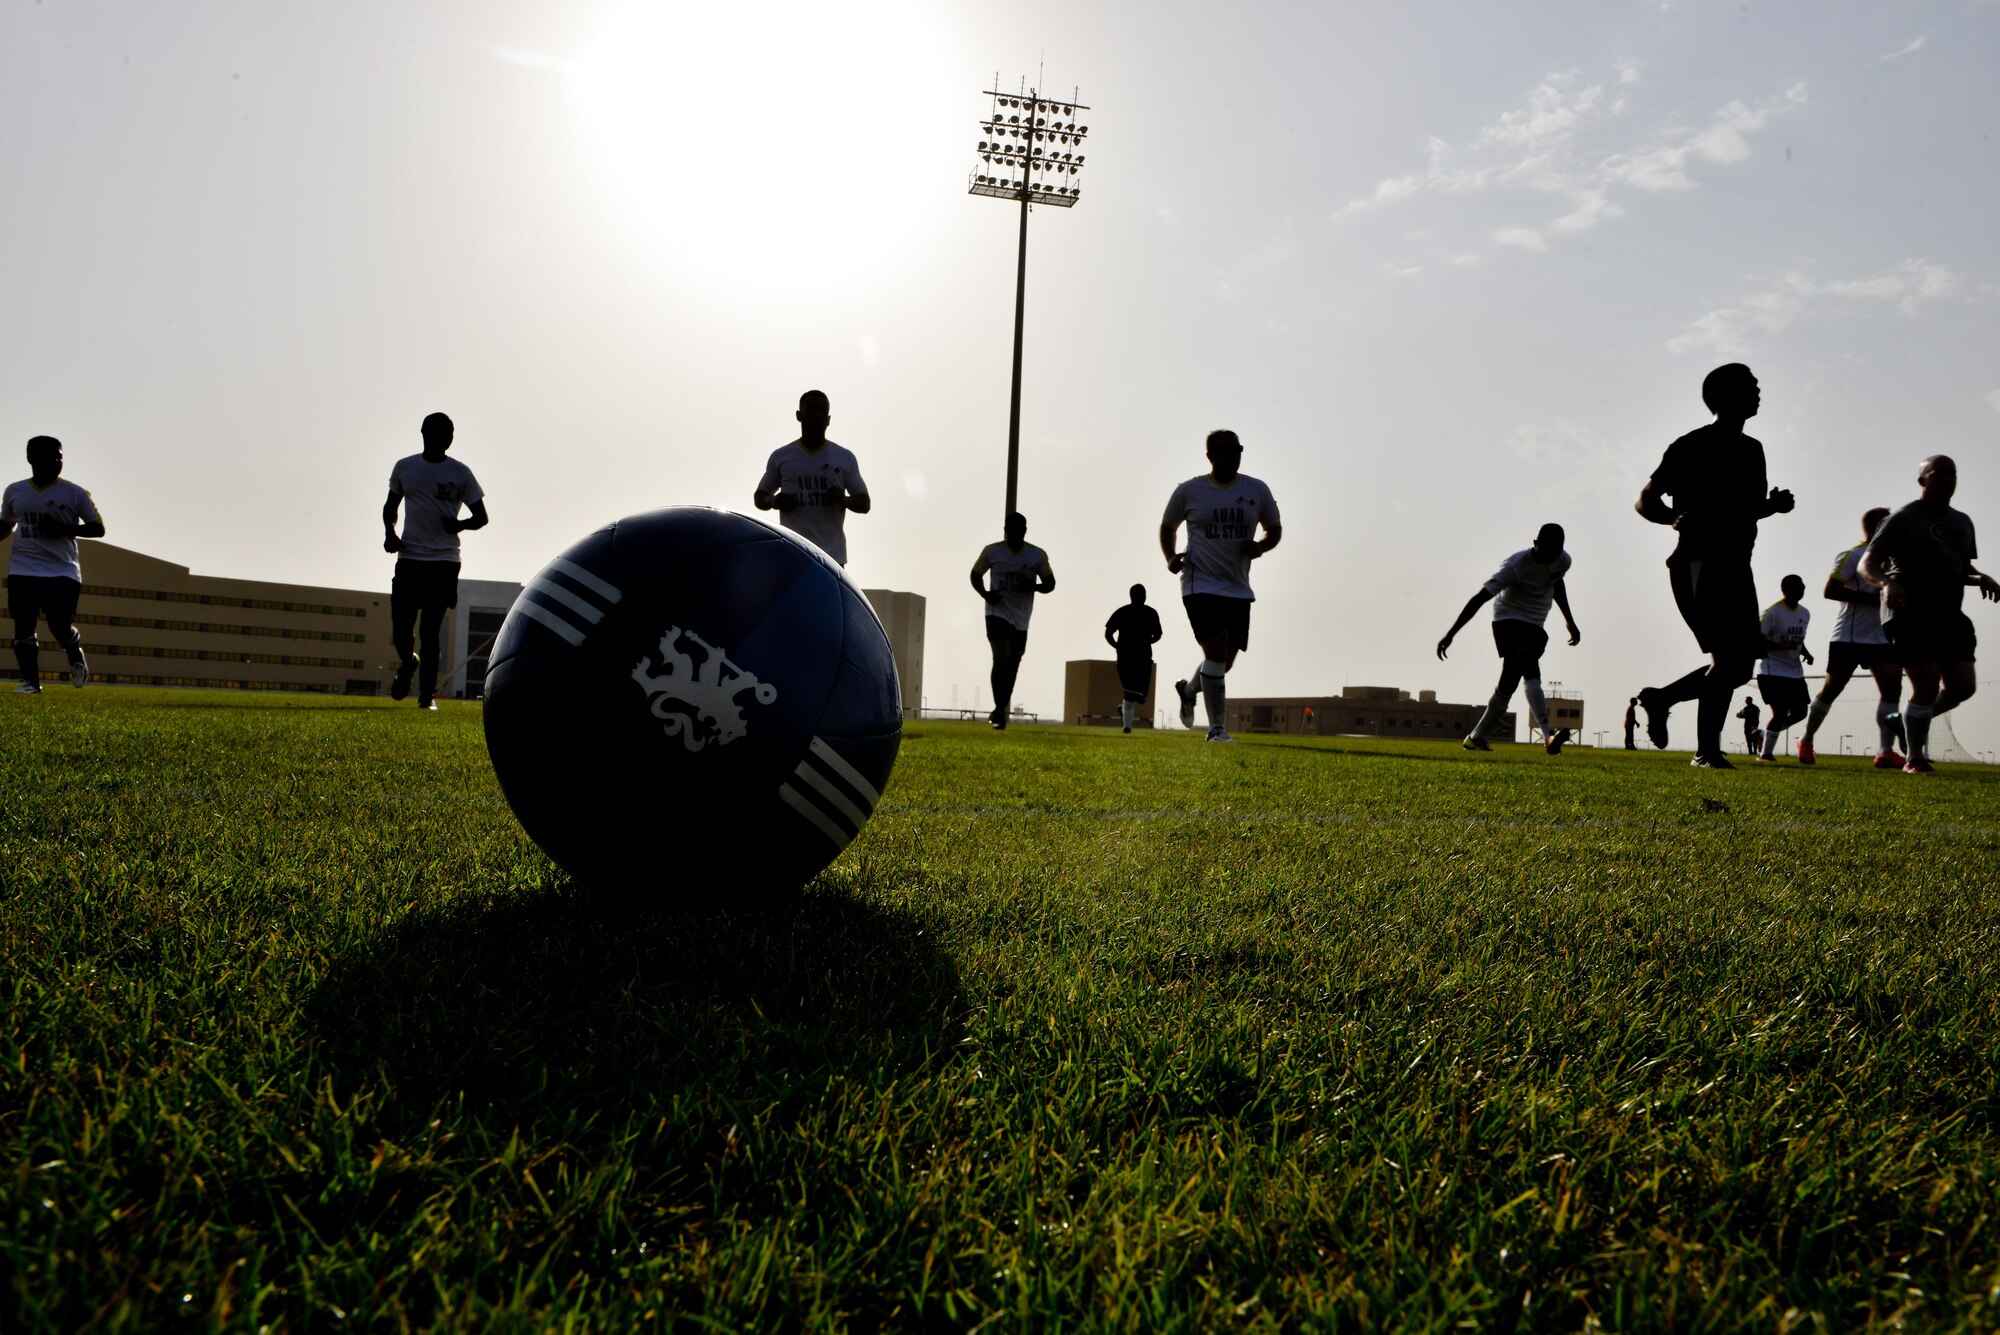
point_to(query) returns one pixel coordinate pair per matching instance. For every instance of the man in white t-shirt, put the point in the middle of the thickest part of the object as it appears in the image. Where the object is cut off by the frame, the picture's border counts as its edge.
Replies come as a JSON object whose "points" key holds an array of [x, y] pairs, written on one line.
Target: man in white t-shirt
{"points": [[1521, 592], [1780, 679], [426, 581], [812, 483], [1223, 509], [1859, 642], [46, 514], [1019, 570]]}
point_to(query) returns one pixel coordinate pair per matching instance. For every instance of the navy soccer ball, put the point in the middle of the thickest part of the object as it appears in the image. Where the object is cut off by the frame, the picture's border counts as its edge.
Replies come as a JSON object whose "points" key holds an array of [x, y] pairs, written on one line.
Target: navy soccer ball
{"points": [[691, 704]]}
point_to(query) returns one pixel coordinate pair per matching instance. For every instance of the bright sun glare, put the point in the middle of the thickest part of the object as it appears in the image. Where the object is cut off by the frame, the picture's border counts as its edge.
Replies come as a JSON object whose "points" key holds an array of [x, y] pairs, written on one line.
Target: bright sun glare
{"points": [[771, 144]]}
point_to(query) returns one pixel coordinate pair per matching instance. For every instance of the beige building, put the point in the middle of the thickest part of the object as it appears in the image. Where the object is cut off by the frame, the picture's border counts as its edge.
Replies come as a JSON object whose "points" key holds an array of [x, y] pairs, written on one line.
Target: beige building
{"points": [[1369, 711], [1091, 694], [148, 622], [902, 615]]}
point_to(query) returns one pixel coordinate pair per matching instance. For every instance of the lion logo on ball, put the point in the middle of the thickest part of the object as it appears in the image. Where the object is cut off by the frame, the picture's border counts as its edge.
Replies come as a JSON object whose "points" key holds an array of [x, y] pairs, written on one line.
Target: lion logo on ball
{"points": [[697, 702]]}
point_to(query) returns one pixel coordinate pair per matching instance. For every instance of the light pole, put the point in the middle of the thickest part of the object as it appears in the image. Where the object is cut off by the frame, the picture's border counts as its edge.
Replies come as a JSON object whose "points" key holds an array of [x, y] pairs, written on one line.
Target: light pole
{"points": [[1843, 742], [1029, 153]]}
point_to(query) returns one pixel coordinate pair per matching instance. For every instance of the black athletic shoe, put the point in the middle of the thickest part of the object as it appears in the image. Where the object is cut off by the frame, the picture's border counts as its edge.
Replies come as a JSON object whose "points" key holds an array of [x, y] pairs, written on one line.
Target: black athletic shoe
{"points": [[427, 704], [1554, 744], [1711, 760], [399, 689], [1656, 716]]}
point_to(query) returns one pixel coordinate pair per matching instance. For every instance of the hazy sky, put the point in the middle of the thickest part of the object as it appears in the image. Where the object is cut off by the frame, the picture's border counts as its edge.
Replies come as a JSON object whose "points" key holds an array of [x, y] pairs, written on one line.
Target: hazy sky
{"points": [[1451, 270]]}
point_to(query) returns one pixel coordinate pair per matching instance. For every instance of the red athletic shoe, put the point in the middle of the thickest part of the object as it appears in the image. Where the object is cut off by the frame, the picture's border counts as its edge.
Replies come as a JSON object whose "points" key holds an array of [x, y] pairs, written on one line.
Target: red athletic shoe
{"points": [[1807, 756], [1917, 766], [1889, 760]]}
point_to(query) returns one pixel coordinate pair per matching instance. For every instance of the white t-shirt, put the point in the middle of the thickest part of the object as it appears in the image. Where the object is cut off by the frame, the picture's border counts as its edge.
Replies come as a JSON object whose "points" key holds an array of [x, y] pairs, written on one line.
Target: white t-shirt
{"points": [[431, 493], [1013, 579], [1856, 623], [1787, 626], [821, 481], [1524, 589], [36, 511], [1220, 520]]}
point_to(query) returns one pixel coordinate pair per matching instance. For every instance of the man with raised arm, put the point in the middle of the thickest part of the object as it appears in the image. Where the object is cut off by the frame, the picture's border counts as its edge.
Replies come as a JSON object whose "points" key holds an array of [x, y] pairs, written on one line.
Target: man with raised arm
{"points": [[1780, 678], [46, 514], [1521, 592], [1859, 642], [1223, 509], [425, 584], [812, 483], [1715, 475], [1019, 571], [1132, 632], [1921, 558]]}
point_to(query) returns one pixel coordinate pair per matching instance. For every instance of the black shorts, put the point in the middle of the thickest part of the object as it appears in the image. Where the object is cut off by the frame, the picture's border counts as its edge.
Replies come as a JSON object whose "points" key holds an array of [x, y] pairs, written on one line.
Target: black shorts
{"points": [[50, 596], [1846, 657], [424, 586], [1932, 637], [1214, 616], [1006, 637], [1718, 600], [1785, 695], [1520, 644], [1135, 675]]}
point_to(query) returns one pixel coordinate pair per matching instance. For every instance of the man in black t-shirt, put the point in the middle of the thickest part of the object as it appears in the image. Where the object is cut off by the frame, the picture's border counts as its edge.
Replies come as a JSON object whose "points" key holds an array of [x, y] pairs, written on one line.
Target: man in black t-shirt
{"points": [[1133, 630], [1716, 477], [1921, 558]]}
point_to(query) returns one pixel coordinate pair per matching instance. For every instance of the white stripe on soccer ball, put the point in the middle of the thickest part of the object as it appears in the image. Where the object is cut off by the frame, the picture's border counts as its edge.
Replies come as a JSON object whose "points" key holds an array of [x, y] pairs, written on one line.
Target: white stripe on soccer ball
{"points": [[825, 788], [550, 619], [587, 611], [608, 592], [805, 807], [846, 771]]}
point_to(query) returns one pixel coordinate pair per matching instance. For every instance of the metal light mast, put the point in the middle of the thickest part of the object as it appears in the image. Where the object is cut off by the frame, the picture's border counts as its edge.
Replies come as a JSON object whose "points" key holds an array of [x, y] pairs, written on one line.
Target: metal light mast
{"points": [[1031, 152]]}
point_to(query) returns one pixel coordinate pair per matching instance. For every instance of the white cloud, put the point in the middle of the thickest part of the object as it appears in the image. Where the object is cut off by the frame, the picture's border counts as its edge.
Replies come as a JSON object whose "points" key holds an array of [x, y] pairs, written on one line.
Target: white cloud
{"points": [[1464, 260], [1398, 271], [1555, 144], [1908, 50], [1523, 237], [1906, 286]]}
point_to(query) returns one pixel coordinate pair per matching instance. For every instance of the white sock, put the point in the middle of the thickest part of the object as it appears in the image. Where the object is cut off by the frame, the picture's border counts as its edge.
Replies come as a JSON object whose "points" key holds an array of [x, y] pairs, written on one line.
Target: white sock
{"points": [[1213, 694], [1489, 722], [1125, 712], [1890, 725], [1815, 715], [1538, 703], [1917, 726], [1770, 743]]}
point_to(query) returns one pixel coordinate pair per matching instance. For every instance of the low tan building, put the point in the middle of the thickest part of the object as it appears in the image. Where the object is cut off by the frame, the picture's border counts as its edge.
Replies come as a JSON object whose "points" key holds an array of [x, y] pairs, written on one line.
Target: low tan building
{"points": [[902, 616], [1092, 694], [1369, 711], [148, 622]]}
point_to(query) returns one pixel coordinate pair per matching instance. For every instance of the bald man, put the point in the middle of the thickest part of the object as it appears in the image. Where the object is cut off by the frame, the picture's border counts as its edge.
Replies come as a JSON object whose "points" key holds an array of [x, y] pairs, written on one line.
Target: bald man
{"points": [[1921, 558]]}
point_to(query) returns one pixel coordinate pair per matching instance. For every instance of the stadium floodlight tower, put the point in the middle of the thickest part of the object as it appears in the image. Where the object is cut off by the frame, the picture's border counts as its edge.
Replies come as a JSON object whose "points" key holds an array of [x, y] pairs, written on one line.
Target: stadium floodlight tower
{"points": [[1032, 151]]}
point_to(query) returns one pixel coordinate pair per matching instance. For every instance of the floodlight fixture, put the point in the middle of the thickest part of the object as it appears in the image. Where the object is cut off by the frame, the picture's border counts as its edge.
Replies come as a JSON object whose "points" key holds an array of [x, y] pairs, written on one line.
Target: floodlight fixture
{"points": [[1035, 174]]}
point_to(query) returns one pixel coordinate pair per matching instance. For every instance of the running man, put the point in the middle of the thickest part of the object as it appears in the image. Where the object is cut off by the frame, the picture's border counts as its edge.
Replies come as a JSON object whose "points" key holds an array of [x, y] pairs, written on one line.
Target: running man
{"points": [[426, 580], [1133, 630], [1222, 509], [1780, 679], [46, 515], [1858, 642], [1020, 571], [1521, 591], [1921, 558], [812, 483], [1716, 476], [1753, 736]]}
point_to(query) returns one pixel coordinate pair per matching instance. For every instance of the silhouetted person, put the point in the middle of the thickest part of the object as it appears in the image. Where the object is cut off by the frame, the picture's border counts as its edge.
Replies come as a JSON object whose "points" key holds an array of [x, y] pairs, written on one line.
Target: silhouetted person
{"points": [[1631, 723], [1521, 591], [1859, 642], [426, 580], [1020, 570], [46, 515], [1752, 734], [1133, 630], [1780, 679], [1921, 558], [1716, 477], [812, 483], [1222, 509]]}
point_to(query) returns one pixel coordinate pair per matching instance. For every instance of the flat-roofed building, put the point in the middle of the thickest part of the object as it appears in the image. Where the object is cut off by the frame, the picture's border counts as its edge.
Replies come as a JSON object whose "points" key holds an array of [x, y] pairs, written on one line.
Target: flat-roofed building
{"points": [[902, 616], [1368, 711], [1092, 694], [148, 622]]}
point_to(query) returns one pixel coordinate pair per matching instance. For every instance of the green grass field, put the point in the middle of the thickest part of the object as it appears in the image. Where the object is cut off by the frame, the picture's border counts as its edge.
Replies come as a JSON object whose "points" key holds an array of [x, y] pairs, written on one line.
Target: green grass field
{"points": [[1084, 1032]]}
